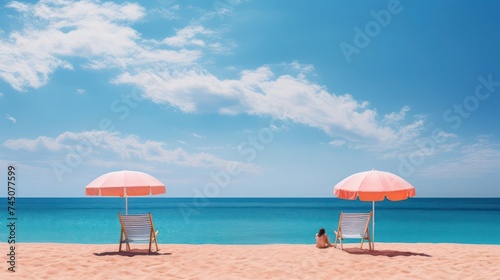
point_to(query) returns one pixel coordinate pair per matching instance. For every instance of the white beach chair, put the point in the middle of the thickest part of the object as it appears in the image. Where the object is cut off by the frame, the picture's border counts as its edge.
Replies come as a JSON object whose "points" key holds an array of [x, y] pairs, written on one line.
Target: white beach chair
{"points": [[138, 229], [353, 225]]}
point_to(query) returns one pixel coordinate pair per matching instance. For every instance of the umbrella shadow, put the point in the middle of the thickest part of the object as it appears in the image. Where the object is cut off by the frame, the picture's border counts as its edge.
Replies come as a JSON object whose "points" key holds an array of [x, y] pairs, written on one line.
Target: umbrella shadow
{"points": [[132, 253], [385, 253]]}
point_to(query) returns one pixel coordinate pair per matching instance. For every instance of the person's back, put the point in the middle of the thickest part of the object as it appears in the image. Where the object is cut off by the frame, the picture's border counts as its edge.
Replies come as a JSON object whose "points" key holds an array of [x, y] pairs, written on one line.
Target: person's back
{"points": [[322, 239]]}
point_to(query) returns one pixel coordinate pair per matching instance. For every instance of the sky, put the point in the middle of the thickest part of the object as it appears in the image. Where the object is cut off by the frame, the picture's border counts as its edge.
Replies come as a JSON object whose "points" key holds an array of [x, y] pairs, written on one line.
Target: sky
{"points": [[234, 98]]}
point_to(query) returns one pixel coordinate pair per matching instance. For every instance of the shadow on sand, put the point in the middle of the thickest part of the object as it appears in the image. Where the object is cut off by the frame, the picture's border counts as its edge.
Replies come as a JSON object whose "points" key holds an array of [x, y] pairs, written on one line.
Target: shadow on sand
{"points": [[385, 253], [132, 253]]}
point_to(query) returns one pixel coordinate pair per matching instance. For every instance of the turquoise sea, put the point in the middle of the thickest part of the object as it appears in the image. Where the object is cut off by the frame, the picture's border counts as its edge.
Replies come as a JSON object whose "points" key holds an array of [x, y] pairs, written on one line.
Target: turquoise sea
{"points": [[253, 220]]}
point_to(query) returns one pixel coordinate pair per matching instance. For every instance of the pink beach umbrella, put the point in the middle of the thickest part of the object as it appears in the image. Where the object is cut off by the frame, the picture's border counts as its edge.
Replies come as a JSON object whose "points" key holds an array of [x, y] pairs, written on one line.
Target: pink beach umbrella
{"points": [[374, 186], [124, 184]]}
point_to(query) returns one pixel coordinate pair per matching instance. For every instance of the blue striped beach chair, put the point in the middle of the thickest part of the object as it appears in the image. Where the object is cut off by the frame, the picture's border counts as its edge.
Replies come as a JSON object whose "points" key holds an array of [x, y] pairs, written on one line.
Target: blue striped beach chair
{"points": [[353, 225], [137, 229]]}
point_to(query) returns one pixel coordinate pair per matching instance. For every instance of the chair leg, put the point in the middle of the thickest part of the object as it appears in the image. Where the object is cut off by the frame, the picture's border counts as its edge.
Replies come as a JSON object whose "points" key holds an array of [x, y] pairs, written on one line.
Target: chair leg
{"points": [[156, 241], [152, 238], [369, 242], [121, 239]]}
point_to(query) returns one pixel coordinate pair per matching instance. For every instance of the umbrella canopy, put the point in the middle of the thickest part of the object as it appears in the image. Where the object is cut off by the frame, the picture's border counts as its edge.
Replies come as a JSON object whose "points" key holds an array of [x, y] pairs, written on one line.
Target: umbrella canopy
{"points": [[374, 186], [124, 184]]}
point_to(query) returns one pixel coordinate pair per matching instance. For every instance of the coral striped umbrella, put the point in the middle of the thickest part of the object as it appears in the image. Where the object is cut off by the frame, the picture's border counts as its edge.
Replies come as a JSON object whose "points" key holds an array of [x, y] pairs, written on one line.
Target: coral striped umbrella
{"points": [[374, 186], [124, 184]]}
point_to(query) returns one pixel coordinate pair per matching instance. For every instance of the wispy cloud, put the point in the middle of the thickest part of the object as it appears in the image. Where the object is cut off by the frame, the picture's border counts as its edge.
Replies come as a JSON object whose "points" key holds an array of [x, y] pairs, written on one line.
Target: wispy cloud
{"points": [[337, 143], [188, 36], [99, 145], [414, 139], [396, 117], [209, 148], [171, 12], [199, 136], [11, 118], [472, 160], [80, 91]]}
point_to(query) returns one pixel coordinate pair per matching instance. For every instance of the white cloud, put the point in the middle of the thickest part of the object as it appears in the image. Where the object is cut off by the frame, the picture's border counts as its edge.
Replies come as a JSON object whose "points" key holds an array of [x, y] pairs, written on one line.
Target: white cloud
{"points": [[396, 117], [27, 68], [415, 139], [337, 143], [446, 135], [171, 13], [18, 6], [11, 118], [1, 94], [199, 136], [209, 148], [188, 36], [113, 147], [262, 92], [57, 30], [472, 160], [305, 68], [221, 9], [42, 142], [80, 91]]}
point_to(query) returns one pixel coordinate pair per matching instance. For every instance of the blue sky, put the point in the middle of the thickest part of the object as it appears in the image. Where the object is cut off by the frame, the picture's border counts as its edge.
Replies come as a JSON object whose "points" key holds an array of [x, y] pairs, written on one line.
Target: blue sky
{"points": [[251, 98]]}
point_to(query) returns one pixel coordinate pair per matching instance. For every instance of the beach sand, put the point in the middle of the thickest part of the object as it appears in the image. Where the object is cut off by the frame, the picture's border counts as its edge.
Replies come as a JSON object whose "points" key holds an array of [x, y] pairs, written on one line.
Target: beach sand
{"points": [[388, 261]]}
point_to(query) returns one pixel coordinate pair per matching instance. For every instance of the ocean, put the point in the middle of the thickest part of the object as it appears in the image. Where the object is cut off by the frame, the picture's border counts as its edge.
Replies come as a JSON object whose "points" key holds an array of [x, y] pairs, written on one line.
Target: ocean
{"points": [[94, 220]]}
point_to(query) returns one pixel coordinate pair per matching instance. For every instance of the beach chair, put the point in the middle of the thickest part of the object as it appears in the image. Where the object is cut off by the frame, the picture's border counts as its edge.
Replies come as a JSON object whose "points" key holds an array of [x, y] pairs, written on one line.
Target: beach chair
{"points": [[353, 225], [137, 229]]}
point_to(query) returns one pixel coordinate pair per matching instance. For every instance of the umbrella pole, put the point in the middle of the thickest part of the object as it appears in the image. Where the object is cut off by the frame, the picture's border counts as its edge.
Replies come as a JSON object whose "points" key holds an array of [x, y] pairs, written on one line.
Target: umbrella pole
{"points": [[373, 225], [126, 205]]}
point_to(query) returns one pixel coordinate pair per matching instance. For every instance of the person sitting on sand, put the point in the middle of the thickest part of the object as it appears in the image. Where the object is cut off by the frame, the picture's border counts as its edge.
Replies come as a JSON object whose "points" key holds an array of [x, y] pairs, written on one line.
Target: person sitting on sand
{"points": [[322, 239]]}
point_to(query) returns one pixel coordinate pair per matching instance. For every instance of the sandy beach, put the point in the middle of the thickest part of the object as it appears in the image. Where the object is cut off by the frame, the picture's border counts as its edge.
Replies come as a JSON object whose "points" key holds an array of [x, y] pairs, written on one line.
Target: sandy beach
{"points": [[280, 261]]}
